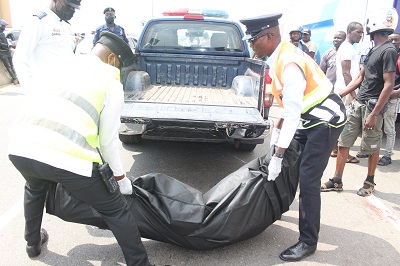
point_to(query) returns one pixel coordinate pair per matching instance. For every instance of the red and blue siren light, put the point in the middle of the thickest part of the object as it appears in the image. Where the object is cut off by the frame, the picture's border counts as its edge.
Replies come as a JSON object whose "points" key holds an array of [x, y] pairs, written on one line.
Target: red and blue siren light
{"points": [[190, 13]]}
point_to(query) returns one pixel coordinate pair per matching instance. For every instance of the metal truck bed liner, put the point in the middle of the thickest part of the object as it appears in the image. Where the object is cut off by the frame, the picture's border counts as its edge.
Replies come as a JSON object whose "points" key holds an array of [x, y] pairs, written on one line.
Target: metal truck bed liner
{"points": [[191, 95]]}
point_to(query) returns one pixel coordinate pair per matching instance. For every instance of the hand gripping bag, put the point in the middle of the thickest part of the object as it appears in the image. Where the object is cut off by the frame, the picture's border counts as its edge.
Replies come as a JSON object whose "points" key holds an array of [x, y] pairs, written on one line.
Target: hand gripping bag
{"points": [[240, 206]]}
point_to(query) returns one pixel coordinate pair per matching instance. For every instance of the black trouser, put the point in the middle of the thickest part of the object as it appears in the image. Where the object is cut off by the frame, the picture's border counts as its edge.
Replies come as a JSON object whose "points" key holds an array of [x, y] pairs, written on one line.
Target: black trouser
{"points": [[92, 190], [7, 61], [318, 143]]}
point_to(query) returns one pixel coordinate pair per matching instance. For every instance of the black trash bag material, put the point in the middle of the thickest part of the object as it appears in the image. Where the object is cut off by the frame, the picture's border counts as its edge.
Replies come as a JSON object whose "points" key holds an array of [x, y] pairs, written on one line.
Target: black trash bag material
{"points": [[240, 206]]}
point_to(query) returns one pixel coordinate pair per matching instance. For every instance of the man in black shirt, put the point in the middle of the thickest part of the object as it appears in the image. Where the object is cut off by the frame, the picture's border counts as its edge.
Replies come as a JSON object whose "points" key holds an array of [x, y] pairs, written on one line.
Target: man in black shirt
{"points": [[375, 82]]}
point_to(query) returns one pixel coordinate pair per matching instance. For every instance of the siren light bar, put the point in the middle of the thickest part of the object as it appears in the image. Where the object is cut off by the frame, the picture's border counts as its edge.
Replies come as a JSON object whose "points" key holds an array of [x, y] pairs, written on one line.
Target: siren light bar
{"points": [[196, 13]]}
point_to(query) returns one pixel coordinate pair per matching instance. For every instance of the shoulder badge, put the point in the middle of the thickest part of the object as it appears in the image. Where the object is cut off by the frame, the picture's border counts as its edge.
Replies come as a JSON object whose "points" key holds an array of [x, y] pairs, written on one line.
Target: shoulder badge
{"points": [[40, 14]]}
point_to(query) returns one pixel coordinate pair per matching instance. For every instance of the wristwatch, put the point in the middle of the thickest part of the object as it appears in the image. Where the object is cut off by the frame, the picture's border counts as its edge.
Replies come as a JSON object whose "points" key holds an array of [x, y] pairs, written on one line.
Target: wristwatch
{"points": [[279, 155]]}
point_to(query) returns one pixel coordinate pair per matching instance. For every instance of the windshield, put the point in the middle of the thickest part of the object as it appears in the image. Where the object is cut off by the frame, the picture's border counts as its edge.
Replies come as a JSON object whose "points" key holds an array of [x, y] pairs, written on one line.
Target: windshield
{"points": [[193, 35]]}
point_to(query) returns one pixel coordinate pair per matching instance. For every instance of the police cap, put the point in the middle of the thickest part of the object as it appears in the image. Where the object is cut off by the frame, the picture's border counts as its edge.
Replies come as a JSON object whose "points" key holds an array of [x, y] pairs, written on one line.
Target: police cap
{"points": [[74, 3], [256, 25], [119, 47], [108, 9]]}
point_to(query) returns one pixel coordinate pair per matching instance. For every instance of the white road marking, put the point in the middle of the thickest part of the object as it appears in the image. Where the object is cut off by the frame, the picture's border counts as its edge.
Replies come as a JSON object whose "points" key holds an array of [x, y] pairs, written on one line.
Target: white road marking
{"points": [[11, 213]]}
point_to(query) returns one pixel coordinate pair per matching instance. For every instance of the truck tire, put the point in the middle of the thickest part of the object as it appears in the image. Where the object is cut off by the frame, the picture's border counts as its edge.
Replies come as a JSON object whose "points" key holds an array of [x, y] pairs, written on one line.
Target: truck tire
{"points": [[130, 139], [242, 146]]}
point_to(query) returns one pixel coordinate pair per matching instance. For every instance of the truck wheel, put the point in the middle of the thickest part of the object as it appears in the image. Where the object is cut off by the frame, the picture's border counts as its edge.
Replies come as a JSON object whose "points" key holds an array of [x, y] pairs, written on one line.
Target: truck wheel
{"points": [[243, 147], [130, 139]]}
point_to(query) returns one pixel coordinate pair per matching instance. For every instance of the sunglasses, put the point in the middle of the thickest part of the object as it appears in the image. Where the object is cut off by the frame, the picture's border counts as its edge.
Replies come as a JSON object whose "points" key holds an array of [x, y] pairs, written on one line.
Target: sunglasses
{"points": [[253, 40]]}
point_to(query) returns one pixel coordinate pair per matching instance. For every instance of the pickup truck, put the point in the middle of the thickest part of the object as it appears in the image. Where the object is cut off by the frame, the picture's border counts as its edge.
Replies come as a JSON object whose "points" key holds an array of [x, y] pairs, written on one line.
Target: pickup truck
{"points": [[192, 79]]}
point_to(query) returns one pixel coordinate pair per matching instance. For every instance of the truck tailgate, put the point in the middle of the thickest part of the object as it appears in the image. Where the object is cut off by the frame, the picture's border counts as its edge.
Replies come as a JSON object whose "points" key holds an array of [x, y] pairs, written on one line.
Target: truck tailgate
{"points": [[138, 111], [190, 103]]}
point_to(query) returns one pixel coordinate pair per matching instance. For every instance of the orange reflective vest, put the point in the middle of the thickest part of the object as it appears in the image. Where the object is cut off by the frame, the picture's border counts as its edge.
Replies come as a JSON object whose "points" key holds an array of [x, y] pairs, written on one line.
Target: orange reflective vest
{"points": [[318, 86]]}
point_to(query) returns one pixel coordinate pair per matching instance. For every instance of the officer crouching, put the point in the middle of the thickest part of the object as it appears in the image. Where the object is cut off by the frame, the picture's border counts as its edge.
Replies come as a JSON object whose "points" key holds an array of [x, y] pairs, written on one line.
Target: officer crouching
{"points": [[72, 119]]}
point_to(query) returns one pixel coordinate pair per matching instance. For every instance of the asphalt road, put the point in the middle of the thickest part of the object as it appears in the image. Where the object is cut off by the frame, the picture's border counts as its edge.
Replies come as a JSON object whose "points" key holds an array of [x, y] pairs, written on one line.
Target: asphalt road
{"points": [[354, 230]]}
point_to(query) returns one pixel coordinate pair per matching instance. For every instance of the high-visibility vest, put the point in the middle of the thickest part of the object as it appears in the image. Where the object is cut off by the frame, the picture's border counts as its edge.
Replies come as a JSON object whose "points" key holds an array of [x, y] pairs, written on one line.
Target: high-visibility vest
{"points": [[318, 86], [64, 115]]}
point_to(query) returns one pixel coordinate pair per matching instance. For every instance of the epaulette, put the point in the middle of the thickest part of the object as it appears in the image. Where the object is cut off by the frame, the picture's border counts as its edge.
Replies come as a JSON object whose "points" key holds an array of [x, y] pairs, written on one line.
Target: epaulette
{"points": [[40, 14]]}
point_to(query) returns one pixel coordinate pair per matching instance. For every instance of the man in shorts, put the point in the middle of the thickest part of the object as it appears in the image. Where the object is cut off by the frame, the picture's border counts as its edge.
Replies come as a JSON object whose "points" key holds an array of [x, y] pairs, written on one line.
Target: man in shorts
{"points": [[375, 82]]}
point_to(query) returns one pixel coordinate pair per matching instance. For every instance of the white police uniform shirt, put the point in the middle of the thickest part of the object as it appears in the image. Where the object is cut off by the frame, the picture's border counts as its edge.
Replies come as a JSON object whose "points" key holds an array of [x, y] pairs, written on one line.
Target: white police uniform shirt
{"points": [[292, 99], [293, 92], [43, 44], [109, 120]]}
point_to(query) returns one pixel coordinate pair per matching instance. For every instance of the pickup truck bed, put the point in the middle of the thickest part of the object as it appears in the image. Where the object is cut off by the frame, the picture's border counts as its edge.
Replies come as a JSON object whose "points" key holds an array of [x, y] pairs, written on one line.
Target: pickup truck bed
{"points": [[197, 95], [220, 105], [186, 88], [192, 103]]}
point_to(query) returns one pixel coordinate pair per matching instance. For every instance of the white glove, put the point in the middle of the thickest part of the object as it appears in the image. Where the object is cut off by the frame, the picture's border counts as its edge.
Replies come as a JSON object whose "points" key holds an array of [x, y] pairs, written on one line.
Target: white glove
{"points": [[274, 168], [274, 136], [125, 186]]}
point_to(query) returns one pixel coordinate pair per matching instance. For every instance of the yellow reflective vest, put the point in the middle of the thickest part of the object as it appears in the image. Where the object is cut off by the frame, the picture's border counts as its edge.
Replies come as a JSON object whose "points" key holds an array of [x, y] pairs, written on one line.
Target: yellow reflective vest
{"points": [[64, 114]]}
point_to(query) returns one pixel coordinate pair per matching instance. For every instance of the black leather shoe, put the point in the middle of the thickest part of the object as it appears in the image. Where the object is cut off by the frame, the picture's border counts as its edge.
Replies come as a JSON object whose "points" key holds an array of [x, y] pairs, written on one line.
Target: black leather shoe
{"points": [[36, 249], [298, 251]]}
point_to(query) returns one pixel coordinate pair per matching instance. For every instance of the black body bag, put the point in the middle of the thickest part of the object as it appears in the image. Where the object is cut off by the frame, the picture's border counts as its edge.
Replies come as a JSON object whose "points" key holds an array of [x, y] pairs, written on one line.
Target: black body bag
{"points": [[240, 206]]}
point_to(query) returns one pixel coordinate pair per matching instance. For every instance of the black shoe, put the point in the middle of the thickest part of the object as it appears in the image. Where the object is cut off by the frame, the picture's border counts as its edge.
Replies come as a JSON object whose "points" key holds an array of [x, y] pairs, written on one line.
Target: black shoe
{"points": [[36, 249], [298, 251]]}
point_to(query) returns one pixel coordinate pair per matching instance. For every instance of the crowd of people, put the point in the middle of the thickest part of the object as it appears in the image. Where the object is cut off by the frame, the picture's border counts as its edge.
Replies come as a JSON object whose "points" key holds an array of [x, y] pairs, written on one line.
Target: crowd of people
{"points": [[375, 81], [341, 64], [74, 123]]}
